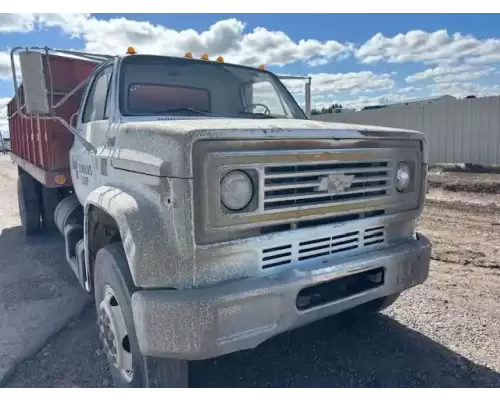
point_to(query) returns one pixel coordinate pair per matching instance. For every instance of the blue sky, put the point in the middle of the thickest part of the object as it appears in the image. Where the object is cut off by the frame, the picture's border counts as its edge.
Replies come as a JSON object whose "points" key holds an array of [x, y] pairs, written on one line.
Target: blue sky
{"points": [[354, 59]]}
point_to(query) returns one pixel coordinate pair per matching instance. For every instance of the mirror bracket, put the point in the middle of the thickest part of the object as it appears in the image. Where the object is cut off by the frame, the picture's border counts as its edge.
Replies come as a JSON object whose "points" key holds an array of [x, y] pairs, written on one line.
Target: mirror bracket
{"points": [[34, 85]]}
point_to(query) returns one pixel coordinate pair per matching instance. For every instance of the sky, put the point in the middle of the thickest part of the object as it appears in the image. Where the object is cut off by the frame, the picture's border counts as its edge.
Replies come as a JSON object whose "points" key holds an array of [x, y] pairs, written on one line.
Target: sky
{"points": [[354, 59]]}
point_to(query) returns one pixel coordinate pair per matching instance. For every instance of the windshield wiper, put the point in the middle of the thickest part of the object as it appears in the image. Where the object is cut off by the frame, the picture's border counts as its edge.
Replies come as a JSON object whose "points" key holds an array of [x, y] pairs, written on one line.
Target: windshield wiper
{"points": [[183, 109], [196, 111], [258, 115]]}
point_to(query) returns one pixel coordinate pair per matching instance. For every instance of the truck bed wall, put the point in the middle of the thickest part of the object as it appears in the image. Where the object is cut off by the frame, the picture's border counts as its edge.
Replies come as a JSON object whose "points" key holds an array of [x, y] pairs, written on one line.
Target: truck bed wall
{"points": [[41, 146]]}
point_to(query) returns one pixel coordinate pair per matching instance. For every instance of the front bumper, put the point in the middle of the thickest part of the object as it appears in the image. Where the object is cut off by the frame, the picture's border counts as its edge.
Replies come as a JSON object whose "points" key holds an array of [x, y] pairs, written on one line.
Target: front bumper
{"points": [[209, 322]]}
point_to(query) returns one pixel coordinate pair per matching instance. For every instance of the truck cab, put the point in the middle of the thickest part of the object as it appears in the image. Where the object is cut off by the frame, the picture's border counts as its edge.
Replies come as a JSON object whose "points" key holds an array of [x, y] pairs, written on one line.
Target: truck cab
{"points": [[207, 213], [144, 88]]}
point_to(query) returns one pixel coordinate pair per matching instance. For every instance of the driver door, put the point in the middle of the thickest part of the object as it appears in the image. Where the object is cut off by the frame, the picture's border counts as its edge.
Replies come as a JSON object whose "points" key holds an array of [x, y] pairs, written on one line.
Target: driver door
{"points": [[93, 125]]}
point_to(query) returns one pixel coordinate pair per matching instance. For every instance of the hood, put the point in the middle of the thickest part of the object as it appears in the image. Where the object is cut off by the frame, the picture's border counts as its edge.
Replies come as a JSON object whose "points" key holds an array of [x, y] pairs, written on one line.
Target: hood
{"points": [[164, 147], [270, 127]]}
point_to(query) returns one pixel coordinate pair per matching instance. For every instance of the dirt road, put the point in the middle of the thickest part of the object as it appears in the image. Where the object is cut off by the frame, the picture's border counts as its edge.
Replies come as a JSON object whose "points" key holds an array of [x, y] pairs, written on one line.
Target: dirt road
{"points": [[443, 333], [38, 293]]}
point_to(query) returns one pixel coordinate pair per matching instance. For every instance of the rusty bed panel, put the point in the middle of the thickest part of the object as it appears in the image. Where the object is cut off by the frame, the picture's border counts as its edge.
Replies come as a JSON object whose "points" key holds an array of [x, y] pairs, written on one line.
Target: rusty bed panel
{"points": [[43, 145]]}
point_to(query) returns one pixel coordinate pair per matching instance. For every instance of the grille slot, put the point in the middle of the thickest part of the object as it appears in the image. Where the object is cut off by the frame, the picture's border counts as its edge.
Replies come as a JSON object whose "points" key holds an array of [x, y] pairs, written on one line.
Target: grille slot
{"points": [[292, 186], [322, 247], [276, 256], [374, 236], [330, 245]]}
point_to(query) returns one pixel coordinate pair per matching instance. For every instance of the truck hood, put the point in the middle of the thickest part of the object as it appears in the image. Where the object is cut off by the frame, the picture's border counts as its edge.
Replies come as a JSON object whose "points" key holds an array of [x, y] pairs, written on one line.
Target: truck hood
{"points": [[164, 147], [269, 127]]}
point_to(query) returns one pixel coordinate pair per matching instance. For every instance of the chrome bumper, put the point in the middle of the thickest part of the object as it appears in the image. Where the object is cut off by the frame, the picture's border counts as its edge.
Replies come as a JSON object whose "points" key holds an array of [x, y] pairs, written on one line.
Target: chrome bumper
{"points": [[212, 321]]}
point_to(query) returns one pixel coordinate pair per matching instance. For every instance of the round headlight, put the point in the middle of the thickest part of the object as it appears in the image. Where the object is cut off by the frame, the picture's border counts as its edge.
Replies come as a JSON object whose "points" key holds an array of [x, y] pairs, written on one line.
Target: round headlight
{"points": [[236, 190], [403, 176]]}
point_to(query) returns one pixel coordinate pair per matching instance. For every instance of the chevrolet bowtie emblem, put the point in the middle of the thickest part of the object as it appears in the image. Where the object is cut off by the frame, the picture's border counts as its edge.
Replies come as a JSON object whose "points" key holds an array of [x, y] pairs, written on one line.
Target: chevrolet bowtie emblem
{"points": [[335, 183]]}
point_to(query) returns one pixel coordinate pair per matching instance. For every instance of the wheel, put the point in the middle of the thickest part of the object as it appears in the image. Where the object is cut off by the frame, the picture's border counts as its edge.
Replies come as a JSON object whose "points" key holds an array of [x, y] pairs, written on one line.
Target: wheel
{"points": [[113, 287], [29, 205], [50, 199], [379, 304]]}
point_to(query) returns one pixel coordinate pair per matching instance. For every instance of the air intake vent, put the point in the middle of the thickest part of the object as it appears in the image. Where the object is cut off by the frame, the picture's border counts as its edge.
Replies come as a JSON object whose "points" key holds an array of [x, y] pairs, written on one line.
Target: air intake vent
{"points": [[277, 256], [323, 247]]}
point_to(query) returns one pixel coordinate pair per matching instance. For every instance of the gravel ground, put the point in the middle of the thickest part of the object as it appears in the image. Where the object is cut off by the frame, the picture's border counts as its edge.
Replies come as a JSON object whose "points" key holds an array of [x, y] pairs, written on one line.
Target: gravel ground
{"points": [[38, 292], [468, 182], [443, 333]]}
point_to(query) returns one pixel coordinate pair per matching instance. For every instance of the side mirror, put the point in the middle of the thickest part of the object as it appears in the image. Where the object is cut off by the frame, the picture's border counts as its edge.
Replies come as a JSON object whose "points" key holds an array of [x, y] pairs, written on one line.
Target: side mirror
{"points": [[34, 87]]}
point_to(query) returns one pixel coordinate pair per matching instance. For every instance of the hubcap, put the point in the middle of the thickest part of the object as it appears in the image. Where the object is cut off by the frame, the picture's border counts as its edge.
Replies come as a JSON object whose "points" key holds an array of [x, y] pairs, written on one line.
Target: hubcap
{"points": [[113, 334]]}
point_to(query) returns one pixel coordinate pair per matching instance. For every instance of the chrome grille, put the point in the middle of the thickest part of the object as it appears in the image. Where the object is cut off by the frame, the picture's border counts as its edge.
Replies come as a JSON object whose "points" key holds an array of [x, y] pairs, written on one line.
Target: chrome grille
{"points": [[322, 247], [293, 186]]}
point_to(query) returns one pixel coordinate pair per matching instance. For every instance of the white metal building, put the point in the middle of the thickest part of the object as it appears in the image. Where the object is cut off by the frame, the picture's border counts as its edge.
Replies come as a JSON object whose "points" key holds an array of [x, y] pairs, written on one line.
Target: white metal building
{"points": [[458, 131]]}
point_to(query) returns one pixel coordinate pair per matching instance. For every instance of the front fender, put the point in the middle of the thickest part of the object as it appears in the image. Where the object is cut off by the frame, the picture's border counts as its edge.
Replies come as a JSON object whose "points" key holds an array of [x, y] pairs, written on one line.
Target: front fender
{"points": [[155, 228]]}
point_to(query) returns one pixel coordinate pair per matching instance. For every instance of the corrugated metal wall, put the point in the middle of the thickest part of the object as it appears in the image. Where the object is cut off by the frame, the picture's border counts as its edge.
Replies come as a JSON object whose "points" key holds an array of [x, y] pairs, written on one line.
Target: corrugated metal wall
{"points": [[458, 131]]}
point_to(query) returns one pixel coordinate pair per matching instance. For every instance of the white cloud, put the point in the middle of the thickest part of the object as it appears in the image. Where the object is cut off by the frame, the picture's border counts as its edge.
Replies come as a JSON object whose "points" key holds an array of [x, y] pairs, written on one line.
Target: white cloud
{"points": [[465, 76], [491, 58], [5, 67], [3, 116], [3, 105], [20, 22], [228, 38], [318, 62], [463, 89], [71, 24], [225, 37], [437, 72], [5, 70], [451, 73], [352, 82], [409, 89], [432, 47]]}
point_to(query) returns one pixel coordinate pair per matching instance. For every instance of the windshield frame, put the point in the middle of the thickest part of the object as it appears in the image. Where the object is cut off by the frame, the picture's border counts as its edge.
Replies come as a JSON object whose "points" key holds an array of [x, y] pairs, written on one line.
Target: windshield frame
{"points": [[280, 88]]}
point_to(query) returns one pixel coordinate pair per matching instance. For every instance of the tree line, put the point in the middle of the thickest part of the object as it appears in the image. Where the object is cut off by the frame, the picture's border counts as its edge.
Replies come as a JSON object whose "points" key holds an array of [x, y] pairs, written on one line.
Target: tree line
{"points": [[327, 110], [336, 107]]}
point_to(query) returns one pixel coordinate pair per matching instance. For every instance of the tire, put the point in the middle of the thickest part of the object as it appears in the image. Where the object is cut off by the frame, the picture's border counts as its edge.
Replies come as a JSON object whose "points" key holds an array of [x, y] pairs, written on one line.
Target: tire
{"points": [[379, 304], [29, 204], [50, 199], [111, 272]]}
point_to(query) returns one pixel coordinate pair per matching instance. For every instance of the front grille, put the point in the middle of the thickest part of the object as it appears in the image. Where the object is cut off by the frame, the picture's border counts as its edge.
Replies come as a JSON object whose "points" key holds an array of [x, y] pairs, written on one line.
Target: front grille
{"points": [[294, 186], [322, 247]]}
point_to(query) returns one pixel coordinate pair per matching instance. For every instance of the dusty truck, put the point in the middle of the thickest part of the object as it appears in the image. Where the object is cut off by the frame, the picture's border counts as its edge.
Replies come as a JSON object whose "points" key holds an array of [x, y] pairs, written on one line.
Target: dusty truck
{"points": [[203, 209]]}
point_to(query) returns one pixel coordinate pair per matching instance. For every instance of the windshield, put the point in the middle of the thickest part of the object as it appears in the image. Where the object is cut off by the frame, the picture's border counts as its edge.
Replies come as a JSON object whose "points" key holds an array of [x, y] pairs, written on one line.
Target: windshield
{"points": [[153, 85]]}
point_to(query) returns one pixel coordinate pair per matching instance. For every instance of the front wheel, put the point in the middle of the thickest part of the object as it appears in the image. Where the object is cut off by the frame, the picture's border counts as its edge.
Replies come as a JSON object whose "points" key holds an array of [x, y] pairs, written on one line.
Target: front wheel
{"points": [[113, 287]]}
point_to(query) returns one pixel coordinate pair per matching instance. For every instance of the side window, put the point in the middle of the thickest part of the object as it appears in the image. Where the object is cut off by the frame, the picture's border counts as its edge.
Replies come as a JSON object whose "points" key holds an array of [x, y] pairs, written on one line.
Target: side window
{"points": [[96, 101], [266, 99], [108, 99]]}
